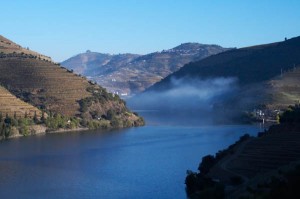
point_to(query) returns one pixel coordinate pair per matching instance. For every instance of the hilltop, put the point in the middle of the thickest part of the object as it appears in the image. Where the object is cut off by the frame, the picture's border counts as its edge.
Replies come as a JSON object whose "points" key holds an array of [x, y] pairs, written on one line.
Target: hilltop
{"points": [[57, 91], [131, 73], [10, 49]]}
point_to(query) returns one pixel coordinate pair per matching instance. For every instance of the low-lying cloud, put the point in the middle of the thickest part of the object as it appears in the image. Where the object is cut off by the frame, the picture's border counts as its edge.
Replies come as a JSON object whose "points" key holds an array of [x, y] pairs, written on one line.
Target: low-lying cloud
{"points": [[186, 95]]}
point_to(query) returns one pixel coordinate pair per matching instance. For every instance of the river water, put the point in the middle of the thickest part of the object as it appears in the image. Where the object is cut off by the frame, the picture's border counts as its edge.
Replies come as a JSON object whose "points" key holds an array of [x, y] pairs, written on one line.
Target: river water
{"points": [[143, 162]]}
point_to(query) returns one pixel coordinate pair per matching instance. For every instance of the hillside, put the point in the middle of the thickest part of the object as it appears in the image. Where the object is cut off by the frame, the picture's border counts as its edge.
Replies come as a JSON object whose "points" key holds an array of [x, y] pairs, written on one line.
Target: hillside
{"points": [[10, 49], [266, 74], [284, 90], [11, 105], [56, 90], [254, 167], [92, 63], [250, 65], [130, 73]]}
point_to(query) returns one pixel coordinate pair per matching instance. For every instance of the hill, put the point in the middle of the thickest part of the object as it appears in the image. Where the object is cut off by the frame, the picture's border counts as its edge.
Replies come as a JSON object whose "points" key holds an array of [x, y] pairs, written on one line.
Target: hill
{"points": [[57, 91], [10, 49], [130, 73], [266, 166], [267, 75], [250, 65]]}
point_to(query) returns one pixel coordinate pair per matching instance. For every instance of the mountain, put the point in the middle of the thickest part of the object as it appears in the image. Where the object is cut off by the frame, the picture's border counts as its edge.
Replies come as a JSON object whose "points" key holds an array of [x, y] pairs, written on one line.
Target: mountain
{"points": [[37, 80], [93, 63], [131, 73], [266, 74]]}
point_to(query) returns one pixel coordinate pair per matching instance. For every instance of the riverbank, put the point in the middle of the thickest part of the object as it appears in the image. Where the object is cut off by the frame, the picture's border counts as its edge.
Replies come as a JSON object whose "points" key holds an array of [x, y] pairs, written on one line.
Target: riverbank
{"points": [[248, 168], [42, 130]]}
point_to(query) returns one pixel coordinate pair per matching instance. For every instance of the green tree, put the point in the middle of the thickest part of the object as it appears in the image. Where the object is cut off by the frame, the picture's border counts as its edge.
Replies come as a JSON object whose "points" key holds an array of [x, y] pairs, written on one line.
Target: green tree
{"points": [[35, 118], [43, 119], [111, 114], [7, 119]]}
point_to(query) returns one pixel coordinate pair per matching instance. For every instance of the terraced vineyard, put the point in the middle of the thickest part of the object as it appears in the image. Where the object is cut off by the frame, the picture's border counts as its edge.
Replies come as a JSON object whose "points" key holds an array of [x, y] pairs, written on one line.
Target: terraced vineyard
{"points": [[285, 88], [44, 84], [39, 81], [266, 153], [11, 105], [10, 49]]}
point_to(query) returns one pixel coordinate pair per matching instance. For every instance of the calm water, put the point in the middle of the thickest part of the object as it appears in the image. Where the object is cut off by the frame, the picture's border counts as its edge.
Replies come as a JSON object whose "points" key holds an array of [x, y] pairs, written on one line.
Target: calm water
{"points": [[145, 162]]}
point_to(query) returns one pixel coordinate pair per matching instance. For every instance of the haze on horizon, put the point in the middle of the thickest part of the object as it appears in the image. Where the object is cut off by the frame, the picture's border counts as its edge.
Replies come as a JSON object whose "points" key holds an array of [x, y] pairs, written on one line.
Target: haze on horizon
{"points": [[62, 29]]}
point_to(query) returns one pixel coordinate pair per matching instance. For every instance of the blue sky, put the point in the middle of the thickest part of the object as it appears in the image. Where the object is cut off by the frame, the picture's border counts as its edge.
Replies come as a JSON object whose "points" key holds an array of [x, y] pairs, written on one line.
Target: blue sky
{"points": [[63, 28]]}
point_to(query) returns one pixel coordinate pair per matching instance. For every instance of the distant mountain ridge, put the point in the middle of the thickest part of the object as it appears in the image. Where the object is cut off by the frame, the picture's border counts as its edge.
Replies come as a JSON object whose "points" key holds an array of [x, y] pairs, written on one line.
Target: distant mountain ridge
{"points": [[132, 73], [267, 74]]}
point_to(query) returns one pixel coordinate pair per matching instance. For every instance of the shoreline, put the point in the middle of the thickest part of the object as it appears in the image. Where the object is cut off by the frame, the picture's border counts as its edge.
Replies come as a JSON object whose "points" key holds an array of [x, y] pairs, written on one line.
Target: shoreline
{"points": [[66, 130], [42, 130]]}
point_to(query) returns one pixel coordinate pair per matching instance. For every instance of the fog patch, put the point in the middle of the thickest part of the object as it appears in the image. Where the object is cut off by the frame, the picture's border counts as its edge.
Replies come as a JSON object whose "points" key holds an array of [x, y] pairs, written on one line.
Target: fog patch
{"points": [[186, 98]]}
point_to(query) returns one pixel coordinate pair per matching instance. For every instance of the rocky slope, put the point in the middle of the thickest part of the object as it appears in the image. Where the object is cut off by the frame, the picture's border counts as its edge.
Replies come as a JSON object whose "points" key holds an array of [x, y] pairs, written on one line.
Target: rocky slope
{"points": [[130, 73]]}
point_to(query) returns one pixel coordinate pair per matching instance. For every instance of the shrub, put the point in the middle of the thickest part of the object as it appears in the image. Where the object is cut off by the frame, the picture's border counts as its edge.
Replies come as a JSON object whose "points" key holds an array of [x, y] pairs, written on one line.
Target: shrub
{"points": [[207, 163]]}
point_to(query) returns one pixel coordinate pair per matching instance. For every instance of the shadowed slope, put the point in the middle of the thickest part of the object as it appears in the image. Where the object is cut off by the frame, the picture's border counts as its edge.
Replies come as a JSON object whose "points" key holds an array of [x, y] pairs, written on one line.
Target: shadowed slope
{"points": [[250, 65]]}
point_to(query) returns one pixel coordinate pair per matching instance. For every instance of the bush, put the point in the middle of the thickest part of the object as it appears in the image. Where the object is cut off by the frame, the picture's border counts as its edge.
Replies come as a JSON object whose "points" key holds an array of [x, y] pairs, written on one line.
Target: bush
{"points": [[207, 163], [291, 115], [56, 121]]}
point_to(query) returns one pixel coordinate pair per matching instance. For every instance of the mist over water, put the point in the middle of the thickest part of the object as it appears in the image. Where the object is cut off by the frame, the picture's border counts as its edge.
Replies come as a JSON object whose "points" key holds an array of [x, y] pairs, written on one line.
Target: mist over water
{"points": [[187, 101]]}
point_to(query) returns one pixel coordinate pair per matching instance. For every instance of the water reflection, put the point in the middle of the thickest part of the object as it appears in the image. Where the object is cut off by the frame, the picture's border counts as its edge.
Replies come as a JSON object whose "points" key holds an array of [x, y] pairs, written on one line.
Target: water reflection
{"points": [[144, 162]]}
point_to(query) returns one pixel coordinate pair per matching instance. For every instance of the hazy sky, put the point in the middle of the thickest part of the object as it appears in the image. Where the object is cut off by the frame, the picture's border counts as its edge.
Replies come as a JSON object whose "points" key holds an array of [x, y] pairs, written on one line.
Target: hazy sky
{"points": [[63, 28]]}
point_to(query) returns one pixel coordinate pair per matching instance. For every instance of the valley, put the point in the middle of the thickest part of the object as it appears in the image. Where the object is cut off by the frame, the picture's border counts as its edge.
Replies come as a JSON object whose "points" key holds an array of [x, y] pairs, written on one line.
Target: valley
{"points": [[149, 99], [267, 77]]}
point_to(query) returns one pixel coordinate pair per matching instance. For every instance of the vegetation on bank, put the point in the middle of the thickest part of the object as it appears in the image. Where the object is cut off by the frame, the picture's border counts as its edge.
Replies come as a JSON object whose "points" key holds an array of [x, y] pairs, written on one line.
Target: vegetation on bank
{"points": [[12, 125], [57, 121], [198, 185], [16, 126], [105, 110]]}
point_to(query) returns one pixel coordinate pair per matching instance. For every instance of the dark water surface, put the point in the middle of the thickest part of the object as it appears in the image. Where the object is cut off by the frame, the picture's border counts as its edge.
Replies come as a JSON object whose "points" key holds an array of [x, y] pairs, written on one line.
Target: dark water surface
{"points": [[144, 162]]}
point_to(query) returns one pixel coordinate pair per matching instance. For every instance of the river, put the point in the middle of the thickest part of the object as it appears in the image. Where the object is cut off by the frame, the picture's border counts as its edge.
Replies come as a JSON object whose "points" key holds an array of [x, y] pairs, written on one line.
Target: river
{"points": [[143, 162]]}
